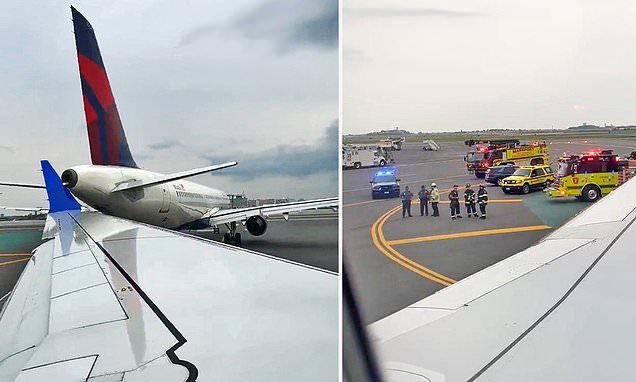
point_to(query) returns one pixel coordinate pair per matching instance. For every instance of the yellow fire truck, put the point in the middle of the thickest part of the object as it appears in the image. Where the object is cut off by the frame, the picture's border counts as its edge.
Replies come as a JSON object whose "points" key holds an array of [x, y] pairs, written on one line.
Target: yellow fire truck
{"points": [[589, 176], [534, 154]]}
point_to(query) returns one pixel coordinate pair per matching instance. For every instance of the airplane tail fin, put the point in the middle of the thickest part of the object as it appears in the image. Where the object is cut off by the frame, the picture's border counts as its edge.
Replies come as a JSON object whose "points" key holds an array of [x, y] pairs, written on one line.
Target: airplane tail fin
{"points": [[105, 132]]}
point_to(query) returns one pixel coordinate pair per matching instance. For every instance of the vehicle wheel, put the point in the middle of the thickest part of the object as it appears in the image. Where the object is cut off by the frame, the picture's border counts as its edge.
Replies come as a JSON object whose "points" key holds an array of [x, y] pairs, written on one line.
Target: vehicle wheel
{"points": [[382, 163], [591, 193], [500, 182], [227, 238], [237, 239], [357, 165], [505, 191], [526, 188]]}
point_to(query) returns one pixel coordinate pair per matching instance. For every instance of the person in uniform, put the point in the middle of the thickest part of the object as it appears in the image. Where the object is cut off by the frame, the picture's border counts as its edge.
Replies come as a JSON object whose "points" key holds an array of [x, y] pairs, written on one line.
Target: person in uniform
{"points": [[482, 200], [434, 196], [406, 202], [424, 196], [454, 203], [470, 201]]}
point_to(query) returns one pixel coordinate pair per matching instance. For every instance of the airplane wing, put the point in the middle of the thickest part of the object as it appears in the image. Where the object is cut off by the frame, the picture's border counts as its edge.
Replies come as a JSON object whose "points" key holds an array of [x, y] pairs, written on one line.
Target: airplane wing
{"points": [[23, 185], [267, 210], [562, 310], [171, 177], [25, 209], [108, 299]]}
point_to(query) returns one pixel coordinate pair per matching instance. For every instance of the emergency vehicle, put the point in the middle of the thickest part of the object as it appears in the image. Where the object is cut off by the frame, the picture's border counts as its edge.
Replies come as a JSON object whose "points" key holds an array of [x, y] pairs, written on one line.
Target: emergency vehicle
{"points": [[528, 178], [589, 176], [385, 184], [364, 156], [501, 152]]}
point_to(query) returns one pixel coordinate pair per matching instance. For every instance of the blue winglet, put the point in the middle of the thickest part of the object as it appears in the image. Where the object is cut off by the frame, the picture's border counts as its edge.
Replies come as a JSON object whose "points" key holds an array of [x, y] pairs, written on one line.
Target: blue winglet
{"points": [[60, 198]]}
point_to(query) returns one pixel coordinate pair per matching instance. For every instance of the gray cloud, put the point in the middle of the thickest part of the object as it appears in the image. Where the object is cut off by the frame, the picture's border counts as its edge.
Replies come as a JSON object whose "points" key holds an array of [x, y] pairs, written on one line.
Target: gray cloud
{"points": [[165, 144], [287, 24], [408, 12], [287, 160], [8, 149]]}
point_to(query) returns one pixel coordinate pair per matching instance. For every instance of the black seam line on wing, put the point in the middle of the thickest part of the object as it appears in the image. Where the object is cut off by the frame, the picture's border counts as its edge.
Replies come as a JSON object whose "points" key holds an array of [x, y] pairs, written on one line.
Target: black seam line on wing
{"points": [[60, 361], [193, 372], [530, 271], [112, 289], [72, 269], [556, 305], [70, 253], [78, 290], [16, 353]]}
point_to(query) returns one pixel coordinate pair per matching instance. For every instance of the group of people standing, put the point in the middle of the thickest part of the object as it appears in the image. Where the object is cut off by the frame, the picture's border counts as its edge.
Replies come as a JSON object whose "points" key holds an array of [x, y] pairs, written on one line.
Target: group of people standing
{"points": [[471, 199]]}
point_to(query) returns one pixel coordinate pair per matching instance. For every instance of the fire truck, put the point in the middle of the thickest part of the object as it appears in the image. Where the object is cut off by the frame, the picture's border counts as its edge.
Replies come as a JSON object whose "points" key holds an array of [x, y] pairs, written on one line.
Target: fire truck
{"points": [[589, 176], [500, 152]]}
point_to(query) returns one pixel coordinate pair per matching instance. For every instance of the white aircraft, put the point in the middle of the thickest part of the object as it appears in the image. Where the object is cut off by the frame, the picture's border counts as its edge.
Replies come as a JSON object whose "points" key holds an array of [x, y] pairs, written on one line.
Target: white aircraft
{"points": [[115, 185], [109, 299], [562, 310]]}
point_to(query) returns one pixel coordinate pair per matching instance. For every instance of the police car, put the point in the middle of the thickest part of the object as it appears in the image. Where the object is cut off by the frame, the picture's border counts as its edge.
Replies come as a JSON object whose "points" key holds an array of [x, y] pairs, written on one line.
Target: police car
{"points": [[385, 184]]}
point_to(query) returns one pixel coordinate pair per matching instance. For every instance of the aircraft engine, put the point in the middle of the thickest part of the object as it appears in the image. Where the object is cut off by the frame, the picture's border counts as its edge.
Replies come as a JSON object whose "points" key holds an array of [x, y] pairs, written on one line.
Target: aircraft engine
{"points": [[256, 225], [69, 178]]}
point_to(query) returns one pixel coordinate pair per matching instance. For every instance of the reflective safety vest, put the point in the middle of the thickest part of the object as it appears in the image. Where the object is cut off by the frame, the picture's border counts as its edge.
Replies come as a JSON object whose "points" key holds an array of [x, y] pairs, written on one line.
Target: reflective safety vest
{"points": [[435, 195], [482, 196]]}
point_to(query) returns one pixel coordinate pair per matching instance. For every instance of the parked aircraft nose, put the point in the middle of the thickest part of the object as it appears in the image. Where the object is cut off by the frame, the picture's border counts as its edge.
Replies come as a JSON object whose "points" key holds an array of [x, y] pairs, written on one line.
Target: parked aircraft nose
{"points": [[69, 178]]}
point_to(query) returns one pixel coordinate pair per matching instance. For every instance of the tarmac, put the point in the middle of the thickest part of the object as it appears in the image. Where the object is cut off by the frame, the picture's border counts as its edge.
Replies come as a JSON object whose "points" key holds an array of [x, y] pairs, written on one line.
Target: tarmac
{"points": [[397, 261], [310, 239]]}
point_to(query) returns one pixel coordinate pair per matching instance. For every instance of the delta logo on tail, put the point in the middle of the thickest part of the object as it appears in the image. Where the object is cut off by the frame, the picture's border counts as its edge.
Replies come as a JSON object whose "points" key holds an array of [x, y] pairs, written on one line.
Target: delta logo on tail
{"points": [[105, 132]]}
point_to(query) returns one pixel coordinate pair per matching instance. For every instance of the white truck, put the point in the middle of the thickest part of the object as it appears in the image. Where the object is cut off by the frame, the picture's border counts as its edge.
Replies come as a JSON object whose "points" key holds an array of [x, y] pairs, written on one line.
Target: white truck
{"points": [[363, 156]]}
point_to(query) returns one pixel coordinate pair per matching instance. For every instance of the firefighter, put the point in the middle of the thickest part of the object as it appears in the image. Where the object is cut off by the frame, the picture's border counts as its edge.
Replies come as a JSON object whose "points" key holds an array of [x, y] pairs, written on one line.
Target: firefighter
{"points": [[470, 200], [424, 196], [406, 202], [434, 199], [454, 203], [482, 199]]}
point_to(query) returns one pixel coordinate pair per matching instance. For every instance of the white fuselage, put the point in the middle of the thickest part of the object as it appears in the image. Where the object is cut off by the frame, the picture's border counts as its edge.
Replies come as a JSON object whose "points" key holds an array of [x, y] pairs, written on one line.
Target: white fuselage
{"points": [[171, 204]]}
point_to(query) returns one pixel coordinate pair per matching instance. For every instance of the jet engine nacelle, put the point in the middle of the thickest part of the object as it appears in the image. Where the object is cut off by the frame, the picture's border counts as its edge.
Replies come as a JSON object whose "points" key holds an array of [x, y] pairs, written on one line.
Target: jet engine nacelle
{"points": [[256, 225]]}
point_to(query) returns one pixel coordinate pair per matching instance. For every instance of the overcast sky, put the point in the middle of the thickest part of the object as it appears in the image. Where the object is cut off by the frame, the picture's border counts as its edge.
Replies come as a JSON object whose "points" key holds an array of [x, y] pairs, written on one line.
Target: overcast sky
{"points": [[471, 64], [252, 80]]}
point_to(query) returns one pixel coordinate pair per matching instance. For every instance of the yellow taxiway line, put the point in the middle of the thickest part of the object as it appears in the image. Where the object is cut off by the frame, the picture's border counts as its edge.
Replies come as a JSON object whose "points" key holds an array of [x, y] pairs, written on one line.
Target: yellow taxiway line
{"points": [[14, 254], [14, 261], [377, 235], [460, 235], [386, 246]]}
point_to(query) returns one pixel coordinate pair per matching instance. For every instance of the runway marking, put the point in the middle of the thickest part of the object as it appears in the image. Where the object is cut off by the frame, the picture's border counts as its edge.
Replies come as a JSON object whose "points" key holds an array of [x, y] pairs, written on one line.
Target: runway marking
{"points": [[386, 247], [13, 261], [14, 254], [460, 235], [377, 235]]}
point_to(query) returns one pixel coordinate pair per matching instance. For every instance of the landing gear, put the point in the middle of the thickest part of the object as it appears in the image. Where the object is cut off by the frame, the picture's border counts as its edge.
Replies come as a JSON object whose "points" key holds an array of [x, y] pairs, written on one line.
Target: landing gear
{"points": [[232, 237]]}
